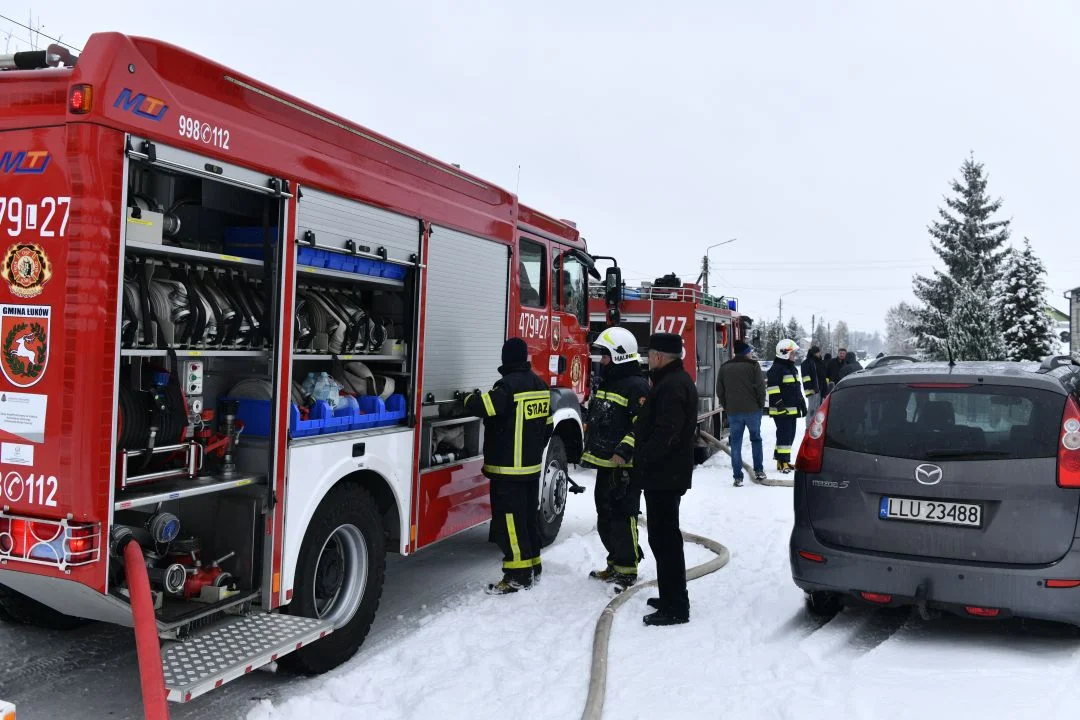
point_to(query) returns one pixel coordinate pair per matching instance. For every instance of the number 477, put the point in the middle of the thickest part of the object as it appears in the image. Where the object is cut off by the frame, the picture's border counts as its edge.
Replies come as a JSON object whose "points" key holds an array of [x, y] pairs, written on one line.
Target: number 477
{"points": [[669, 323]]}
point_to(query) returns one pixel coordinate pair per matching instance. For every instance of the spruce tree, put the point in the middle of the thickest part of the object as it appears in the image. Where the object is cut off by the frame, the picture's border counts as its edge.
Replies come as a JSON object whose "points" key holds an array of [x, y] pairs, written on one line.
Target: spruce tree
{"points": [[1025, 324], [969, 242], [794, 330]]}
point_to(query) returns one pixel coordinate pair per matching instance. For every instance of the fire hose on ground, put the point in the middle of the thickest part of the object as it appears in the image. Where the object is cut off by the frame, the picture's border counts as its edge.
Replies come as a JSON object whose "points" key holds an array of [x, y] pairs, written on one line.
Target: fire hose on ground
{"points": [[594, 703]]}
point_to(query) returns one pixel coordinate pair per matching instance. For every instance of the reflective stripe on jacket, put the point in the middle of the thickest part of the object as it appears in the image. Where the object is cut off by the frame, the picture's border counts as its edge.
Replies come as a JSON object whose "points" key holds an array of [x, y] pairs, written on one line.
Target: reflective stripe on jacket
{"points": [[517, 420], [785, 389], [612, 413]]}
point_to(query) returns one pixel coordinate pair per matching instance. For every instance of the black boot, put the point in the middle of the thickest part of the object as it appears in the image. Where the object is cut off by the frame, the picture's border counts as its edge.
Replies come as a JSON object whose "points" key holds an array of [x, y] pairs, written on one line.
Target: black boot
{"points": [[661, 618]]}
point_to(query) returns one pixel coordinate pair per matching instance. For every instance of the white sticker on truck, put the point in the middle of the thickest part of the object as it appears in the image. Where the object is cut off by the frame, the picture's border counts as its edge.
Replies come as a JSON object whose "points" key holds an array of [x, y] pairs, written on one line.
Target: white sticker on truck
{"points": [[16, 454], [23, 415]]}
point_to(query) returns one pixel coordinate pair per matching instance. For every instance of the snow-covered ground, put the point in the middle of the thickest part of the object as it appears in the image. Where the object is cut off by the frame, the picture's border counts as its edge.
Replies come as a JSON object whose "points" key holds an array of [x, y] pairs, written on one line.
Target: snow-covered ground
{"points": [[750, 650], [444, 650]]}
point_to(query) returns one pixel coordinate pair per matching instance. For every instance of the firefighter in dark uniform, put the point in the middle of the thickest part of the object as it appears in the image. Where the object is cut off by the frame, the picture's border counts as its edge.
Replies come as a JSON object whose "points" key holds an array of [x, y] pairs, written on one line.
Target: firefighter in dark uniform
{"points": [[784, 387], [517, 422], [609, 447]]}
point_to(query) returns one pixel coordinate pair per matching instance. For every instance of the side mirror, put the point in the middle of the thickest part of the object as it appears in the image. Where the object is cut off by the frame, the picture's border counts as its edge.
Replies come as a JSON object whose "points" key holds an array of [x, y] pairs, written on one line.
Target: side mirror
{"points": [[613, 285]]}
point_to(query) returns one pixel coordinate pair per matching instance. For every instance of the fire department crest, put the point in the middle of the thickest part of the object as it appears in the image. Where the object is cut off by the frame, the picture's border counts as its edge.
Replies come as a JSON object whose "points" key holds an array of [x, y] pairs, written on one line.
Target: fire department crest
{"points": [[575, 370], [25, 331], [26, 268], [555, 333]]}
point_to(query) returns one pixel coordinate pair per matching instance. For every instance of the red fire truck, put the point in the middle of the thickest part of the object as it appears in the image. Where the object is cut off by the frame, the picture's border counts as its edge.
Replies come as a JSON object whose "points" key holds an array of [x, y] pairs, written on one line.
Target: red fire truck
{"points": [[709, 326], [236, 330]]}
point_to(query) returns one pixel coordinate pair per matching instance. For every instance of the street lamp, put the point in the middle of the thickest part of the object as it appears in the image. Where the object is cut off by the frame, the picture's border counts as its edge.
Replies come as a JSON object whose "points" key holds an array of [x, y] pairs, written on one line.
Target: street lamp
{"points": [[705, 266]]}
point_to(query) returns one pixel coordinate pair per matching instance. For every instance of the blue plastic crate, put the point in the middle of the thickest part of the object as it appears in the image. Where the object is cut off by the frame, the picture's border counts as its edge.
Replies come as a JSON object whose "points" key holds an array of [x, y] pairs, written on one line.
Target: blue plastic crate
{"points": [[255, 414], [307, 256], [335, 260], [394, 411], [393, 272], [313, 426], [371, 409], [246, 242], [363, 266]]}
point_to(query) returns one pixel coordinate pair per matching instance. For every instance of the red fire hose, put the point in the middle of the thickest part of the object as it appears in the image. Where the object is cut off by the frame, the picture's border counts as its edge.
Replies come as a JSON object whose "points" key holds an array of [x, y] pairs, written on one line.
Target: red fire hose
{"points": [[152, 677]]}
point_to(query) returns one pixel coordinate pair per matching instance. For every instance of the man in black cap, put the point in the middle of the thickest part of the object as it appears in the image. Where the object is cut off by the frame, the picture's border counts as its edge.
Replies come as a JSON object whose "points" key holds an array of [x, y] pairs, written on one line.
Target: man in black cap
{"points": [[517, 422], [664, 462]]}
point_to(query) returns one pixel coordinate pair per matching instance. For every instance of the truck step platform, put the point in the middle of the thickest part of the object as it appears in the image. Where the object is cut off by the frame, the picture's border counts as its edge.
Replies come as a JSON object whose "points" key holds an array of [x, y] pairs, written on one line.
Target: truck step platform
{"points": [[234, 648]]}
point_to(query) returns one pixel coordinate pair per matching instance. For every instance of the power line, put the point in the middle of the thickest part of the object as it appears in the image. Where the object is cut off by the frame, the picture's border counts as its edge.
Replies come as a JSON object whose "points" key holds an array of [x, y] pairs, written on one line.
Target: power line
{"points": [[38, 32]]}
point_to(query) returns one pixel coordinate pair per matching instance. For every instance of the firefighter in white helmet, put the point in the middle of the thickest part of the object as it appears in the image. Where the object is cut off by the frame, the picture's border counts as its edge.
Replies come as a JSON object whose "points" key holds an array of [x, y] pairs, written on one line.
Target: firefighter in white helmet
{"points": [[609, 447], [786, 400]]}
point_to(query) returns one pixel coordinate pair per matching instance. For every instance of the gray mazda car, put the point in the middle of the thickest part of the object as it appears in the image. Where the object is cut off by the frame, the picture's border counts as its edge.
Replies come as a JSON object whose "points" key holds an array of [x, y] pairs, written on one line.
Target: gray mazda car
{"points": [[947, 488]]}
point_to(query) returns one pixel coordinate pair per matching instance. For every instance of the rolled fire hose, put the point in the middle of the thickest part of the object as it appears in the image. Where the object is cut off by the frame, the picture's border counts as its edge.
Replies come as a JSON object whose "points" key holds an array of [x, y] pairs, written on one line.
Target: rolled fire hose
{"points": [[151, 673], [594, 703], [768, 482]]}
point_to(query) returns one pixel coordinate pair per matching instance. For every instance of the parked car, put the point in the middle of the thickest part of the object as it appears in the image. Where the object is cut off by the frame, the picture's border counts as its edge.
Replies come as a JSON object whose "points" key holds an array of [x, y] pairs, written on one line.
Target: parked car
{"points": [[947, 488]]}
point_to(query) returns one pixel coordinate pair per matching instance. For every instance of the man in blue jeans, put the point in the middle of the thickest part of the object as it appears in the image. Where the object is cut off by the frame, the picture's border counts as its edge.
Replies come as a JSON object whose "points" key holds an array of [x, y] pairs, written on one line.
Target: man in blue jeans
{"points": [[741, 390]]}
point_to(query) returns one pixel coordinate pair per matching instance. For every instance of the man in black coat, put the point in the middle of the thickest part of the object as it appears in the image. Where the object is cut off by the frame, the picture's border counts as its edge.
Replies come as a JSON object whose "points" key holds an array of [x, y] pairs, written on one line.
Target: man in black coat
{"points": [[664, 462], [814, 383], [851, 365]]}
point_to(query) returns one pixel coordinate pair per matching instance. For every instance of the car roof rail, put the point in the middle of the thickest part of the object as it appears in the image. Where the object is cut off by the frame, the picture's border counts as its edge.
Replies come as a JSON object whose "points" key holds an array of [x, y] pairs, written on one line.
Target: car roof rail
{"points": [[889, 360], [1053, 362]]}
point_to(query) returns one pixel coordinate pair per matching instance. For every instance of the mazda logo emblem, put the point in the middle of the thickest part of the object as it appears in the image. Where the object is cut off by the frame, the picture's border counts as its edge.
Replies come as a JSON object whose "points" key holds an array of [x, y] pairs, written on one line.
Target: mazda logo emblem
{"points": [[928, 474]]}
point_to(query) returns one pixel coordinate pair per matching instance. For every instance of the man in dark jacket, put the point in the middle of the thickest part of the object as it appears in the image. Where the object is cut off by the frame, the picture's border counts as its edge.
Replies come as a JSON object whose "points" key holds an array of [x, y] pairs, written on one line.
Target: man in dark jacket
{"points": [[664, 464], [517, 419], [815, 385], [741, 391], [834, 366], [786, 401], [609, 447], [851, 365]]}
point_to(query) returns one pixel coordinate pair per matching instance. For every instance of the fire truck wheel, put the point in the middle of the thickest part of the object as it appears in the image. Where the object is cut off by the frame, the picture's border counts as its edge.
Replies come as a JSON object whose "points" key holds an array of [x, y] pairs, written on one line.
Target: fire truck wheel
{"points": [[339, 575], [17, 608], [553, 490]]}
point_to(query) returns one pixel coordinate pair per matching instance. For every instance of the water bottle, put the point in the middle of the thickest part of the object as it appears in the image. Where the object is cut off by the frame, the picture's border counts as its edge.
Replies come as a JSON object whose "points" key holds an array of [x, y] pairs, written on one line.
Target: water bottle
{"points": [[322, 388], [309, 385]]}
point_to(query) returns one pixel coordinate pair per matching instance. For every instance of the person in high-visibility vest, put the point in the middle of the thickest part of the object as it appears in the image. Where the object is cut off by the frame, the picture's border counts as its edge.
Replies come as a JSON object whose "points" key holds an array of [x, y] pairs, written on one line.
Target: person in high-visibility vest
{"points": [[609, 447], [517, 423], [784, 388]]}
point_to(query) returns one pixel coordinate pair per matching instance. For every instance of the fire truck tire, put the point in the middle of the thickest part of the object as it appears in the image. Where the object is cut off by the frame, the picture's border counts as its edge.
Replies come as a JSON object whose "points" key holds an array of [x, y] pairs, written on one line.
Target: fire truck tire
{"points": [[17, 608], [339, 574], [553, 491]]}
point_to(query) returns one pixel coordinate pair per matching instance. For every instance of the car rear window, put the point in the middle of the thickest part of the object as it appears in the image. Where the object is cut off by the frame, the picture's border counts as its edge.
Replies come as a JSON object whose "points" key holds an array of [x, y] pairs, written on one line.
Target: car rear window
{"points": [[934, 423]]}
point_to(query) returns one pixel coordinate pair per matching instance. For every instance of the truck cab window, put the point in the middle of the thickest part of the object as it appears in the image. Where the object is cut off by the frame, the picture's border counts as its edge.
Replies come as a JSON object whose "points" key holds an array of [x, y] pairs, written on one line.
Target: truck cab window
{"points": [[531, 275], [571, 294]]}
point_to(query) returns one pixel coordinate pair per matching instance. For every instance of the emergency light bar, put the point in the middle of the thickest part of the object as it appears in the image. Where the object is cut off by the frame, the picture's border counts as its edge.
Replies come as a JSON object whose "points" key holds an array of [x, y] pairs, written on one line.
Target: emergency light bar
{"points": [[54, 56]]}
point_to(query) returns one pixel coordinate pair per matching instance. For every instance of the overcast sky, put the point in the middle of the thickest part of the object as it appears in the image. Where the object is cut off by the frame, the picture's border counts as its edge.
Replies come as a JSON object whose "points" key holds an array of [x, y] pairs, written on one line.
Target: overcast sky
{"points": [[822, 135]]}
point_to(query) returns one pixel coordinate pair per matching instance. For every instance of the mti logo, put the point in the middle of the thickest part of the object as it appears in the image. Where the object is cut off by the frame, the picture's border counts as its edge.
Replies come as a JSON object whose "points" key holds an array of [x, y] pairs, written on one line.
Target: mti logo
{"points": [[24, 162], [141, 104]]}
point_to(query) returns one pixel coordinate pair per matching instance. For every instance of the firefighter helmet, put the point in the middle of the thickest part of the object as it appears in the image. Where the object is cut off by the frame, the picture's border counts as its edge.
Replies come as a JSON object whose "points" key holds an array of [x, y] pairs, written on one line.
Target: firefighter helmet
{"points": [[786, 347], [620, 343]]}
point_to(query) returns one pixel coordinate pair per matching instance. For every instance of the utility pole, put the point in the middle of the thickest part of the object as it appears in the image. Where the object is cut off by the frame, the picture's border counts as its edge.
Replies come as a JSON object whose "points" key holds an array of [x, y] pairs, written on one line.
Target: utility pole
{"points": [[703, 278]]}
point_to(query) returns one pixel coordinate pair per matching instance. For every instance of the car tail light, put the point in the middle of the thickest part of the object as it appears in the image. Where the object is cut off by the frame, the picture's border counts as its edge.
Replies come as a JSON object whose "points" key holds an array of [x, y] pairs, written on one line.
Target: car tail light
{"points": [[879, 598], [982, 612], [1068, 465], [812, 557], [812, 450], [81, 99], [1062, 583]]}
